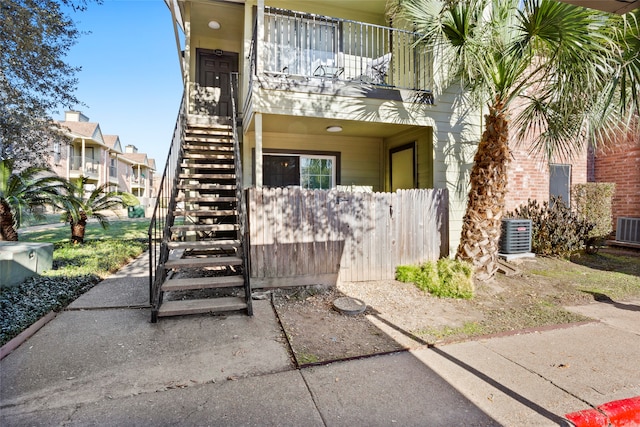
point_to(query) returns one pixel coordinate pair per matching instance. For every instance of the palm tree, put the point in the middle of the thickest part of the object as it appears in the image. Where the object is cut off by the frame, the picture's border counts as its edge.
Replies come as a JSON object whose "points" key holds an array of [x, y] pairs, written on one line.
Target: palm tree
{"points": [[21, 192], [79, 206], [573, 73]]}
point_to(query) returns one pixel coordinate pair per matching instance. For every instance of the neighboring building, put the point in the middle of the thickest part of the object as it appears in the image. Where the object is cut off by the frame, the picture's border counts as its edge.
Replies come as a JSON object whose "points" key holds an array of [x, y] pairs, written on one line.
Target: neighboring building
{"points": [[139, 179], [87, 153], [101, 159]]}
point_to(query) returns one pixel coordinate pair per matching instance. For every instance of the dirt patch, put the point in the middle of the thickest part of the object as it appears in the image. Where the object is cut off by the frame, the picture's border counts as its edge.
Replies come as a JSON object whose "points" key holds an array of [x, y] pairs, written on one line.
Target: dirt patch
{"points": [[400, 316]]}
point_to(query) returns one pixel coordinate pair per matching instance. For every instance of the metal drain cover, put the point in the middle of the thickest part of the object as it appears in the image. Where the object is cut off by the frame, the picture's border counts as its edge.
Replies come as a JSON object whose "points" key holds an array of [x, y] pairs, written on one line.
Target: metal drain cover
{"points": [[349, 306]]}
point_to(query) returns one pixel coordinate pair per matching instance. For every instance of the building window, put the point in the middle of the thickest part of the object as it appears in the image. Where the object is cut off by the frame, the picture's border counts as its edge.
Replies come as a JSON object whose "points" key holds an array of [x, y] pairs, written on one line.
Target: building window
{"points": [[56, 152], [310, 171], [560, 182]]}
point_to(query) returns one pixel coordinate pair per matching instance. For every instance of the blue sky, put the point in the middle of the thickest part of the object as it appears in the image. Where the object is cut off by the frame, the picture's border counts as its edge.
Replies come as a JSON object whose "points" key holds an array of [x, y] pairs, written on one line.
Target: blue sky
{"points": [[130, 78]]}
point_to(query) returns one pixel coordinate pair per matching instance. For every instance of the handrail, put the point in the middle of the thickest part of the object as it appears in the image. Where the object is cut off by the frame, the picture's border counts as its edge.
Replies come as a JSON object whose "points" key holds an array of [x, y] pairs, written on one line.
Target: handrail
{"points": [[162, 218], [241, 204]]}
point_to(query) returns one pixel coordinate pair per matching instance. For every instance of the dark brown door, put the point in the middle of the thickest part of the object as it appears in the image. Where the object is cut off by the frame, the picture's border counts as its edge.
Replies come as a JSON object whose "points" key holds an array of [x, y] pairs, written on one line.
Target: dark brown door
{"points": [[213, 95]]}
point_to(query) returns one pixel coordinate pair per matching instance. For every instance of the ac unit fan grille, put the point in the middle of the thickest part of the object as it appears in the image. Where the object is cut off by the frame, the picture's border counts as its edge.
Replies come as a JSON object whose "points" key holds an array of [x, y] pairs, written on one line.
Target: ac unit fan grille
{"points": [[628, 230], [516, 236]]}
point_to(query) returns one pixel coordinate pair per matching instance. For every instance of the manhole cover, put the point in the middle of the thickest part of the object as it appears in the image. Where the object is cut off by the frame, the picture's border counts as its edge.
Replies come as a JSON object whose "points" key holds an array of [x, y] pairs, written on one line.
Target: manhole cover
{"points": [[349, 306]]}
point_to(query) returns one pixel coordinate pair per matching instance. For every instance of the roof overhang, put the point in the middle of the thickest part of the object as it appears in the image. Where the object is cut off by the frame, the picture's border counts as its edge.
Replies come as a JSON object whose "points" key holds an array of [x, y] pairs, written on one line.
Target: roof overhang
{"points": [[613, 6]]}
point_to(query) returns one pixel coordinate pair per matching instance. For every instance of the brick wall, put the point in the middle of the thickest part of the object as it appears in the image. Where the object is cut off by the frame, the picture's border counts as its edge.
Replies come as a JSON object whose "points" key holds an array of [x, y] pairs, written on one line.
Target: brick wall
{"points": [[620, 163], [529, 174]]}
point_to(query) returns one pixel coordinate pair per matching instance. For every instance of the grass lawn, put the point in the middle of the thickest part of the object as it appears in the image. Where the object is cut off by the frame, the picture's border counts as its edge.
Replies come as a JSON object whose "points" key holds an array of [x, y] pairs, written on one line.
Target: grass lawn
{"points": [[76, 269]]}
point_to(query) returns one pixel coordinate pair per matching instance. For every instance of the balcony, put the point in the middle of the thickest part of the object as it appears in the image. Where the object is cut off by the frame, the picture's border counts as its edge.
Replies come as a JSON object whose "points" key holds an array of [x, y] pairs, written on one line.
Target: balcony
{"points": [[310, 47], [90, 168], [137, 182]]}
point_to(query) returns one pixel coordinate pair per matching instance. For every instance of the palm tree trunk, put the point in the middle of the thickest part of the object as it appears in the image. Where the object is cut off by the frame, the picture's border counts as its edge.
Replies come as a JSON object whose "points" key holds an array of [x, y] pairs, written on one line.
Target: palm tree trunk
{"points": [[7, 231], [78, 229], [482, 221]]}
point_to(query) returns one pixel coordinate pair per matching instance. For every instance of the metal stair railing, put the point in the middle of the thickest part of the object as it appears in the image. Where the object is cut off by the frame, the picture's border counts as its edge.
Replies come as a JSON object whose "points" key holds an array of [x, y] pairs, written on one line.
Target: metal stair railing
{"points": [[241, 204], [163, 213]]}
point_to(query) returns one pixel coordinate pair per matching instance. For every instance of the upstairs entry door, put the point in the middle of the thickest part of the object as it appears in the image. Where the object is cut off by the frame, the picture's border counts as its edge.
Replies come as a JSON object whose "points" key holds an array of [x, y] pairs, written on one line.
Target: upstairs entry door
{"points": [[213, 92]]}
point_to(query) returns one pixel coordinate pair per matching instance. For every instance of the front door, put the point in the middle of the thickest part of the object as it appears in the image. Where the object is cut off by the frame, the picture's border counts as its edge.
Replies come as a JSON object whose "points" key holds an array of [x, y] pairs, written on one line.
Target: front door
{"points": [[213, 90], [403, 167]]}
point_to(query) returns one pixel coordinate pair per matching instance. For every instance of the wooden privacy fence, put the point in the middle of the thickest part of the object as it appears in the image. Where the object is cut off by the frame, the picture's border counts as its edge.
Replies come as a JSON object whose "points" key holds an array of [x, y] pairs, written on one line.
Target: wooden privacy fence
{"points": [[303, 237]]}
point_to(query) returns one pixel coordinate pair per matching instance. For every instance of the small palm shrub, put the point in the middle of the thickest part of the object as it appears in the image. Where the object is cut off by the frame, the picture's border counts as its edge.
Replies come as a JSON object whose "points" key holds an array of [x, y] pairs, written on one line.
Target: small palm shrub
{"points": [[445, 278], [555, 229]]}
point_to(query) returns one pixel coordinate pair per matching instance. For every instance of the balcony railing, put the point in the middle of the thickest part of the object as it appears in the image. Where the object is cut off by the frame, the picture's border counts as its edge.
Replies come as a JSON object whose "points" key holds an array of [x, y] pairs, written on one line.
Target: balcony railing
{"points": [[302, 44], [90, 164]]}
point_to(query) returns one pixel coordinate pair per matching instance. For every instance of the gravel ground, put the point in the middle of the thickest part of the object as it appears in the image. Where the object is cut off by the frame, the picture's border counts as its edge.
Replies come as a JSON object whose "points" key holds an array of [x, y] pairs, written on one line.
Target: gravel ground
{"points": [[399, 315]]}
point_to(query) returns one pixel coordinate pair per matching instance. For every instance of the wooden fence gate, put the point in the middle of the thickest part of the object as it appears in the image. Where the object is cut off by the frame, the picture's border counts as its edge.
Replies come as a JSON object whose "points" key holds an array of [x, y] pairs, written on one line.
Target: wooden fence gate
{"points": [[303, 237]]}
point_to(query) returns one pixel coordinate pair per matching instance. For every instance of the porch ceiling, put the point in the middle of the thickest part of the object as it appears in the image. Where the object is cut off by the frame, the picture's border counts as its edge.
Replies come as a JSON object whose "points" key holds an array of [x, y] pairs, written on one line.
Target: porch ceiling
{"points": [[230, 13], [318, 126]]}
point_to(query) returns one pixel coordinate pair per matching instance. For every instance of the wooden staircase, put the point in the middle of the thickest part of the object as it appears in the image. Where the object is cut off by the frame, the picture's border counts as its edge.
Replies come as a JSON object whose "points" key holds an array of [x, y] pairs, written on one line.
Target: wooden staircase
{"points": [[206, 269]]}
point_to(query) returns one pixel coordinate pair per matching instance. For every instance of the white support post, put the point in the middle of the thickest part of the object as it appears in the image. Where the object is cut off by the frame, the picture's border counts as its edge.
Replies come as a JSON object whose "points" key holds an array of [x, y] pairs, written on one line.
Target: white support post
{"points": [[258, 160], [82, 160], [259, 38], [187, 57]]}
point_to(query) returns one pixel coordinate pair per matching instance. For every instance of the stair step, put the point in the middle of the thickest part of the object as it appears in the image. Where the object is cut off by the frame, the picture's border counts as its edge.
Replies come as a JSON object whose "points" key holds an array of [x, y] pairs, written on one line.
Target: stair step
{"points": [[207, 133], [206, 186], [209, 137], [220, 261], [204, 199], [205, 244], [204, 212], [208, 156], [217, 146], [202, 283], [200, 306], [207, 176], [206, 227], [207, 165]]}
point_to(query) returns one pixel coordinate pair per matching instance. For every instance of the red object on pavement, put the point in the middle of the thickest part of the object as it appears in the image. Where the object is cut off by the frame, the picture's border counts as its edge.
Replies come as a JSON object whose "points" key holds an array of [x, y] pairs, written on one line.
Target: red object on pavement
{"points": [[588, 418], [625, 412]]}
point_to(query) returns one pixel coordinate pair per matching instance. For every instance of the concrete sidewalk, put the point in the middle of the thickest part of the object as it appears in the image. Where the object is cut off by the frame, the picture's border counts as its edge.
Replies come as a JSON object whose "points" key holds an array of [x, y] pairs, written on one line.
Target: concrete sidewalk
{"points": [[101, 362]]}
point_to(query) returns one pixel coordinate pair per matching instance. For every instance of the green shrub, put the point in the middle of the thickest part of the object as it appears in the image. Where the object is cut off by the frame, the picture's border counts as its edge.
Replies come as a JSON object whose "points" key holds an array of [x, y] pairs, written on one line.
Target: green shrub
{"points": [[445, 278], [592, 202], [555, 230], [455, 278], [407, 273]]}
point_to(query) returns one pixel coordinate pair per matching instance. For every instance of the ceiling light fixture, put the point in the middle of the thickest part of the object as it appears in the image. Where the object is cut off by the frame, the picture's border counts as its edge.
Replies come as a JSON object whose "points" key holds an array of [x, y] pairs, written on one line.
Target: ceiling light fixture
{"points": [[214, 25], [334, 128]]}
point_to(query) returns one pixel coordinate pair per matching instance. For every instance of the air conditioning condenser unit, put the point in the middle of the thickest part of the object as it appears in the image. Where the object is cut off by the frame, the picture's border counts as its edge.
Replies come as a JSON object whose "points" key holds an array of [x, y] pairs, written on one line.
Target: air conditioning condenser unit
{"points": [[516, 236]]}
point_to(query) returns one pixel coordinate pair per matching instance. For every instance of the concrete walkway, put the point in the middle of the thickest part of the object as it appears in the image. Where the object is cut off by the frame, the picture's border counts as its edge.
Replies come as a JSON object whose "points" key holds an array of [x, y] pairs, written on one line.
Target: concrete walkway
{"points": [[101, 362]]}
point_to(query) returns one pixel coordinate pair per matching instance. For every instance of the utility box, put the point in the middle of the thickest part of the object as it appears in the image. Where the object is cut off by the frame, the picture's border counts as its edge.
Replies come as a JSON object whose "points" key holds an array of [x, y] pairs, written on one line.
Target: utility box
{"points": [[135, 211], [516, 236], [21, 260]]}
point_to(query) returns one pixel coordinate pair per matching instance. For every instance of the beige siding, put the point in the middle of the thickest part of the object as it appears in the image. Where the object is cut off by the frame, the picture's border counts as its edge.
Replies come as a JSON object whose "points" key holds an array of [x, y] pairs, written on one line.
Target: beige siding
{"points": [[360, 157], [456, 137]]}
